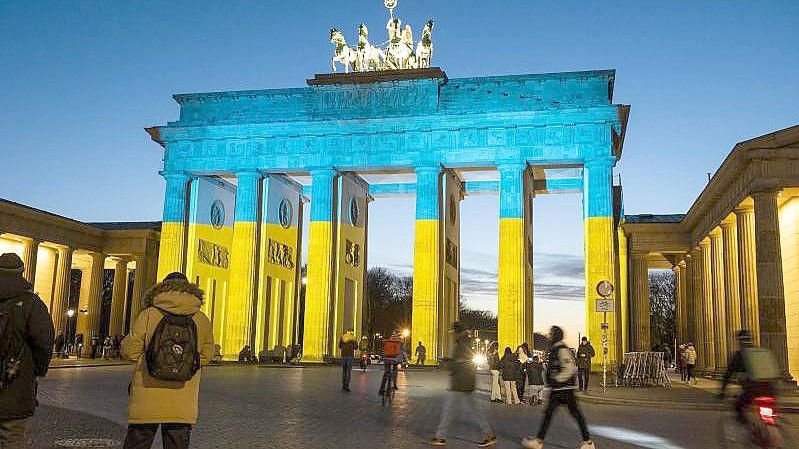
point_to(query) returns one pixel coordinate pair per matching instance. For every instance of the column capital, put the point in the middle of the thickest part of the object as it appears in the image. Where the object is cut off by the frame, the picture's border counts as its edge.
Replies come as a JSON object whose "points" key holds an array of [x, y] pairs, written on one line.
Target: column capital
{"points": [[98, 257], [705, 242], [248, 174], [609, 161], [744, 209], [511, 166], [715, 233], [727, 224], [682, 264]]}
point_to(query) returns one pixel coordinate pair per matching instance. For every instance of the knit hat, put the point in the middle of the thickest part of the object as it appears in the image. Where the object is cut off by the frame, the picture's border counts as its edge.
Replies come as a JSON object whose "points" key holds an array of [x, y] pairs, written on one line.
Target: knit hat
{"points": [[11, 264]]}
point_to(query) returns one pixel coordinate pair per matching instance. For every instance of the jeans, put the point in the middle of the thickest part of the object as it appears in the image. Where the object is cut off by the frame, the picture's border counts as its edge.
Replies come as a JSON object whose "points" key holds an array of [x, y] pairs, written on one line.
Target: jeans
{"points": [[582, 377], [690, 374], [420, 359], [174, 436], [521, 384], [511, 392], [567, 398], [13, 434], [496, 389], [346, 371], [461, 401]]}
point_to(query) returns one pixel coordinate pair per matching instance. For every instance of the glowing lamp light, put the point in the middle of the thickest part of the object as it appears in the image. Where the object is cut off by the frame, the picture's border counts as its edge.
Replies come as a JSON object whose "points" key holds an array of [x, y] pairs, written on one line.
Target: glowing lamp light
{"points": [[406, 332], [479, 359], [304, 280], [71, 313]]}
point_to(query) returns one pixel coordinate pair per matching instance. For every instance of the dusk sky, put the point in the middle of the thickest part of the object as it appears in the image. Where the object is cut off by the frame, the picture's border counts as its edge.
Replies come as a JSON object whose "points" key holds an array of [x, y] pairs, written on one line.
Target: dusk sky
{"points": [[79, 80]]}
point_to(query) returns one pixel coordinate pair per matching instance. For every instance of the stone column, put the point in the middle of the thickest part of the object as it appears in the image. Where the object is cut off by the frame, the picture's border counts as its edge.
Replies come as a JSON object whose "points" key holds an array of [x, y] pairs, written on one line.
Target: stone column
{"points": [[747, 270], [640, 304], [708, 306], [427, 254], [515, 312], [719, 300], [173, 228], [139, 286], [116, 323], [599, 252], [770, 291], [731, 287], [30, 254], [94, 304], [690, 322], [681, 302], [63, 281], [319, 290], [243, 266]]}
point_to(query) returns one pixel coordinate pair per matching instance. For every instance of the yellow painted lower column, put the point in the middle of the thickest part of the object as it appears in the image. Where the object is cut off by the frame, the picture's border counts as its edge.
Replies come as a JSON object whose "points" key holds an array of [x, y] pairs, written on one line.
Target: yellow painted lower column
{"points": [[623, 293], [426, 286], [318, 291], [599, 266], [512, 316]]}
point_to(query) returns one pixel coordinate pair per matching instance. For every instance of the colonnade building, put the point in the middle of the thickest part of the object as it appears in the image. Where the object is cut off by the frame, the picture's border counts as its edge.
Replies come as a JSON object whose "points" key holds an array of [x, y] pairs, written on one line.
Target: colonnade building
{"points": [[97, 270], [735, 256]]}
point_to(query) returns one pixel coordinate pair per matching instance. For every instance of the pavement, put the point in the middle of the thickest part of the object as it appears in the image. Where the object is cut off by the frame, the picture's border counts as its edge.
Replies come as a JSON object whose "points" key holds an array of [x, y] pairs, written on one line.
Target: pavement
{"points": [[73, 362], [701, 395], [245, 406]]}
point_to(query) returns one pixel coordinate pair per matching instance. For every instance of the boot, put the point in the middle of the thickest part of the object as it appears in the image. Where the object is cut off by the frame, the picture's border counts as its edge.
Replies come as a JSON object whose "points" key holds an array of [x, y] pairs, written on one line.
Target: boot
{"points": [[532, 443]]}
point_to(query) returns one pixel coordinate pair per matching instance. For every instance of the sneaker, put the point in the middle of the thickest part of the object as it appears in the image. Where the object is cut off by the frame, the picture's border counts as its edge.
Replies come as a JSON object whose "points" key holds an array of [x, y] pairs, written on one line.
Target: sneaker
{"points": [[438, 442], [489, 440], [587, 445], [532, 443]]}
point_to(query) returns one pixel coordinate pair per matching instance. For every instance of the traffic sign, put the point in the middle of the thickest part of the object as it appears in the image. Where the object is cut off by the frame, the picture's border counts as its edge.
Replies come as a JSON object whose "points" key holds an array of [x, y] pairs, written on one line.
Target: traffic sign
{"points": [[605, 305]]}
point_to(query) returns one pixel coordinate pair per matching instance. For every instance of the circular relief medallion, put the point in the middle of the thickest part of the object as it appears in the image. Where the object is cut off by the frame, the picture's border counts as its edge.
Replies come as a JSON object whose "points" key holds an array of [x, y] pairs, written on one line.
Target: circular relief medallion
{"points": [[217, 214], [284, 213], [355, 211]]}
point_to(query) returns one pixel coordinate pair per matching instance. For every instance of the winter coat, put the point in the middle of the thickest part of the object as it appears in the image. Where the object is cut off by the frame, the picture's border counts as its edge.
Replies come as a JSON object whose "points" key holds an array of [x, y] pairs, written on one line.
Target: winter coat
{"points": [[584, 354], [535, 373], [348, 344], [493, 362], [33, 322], [511, 368], [690, 356], [158, 401], [461, 365], [561, 367]]}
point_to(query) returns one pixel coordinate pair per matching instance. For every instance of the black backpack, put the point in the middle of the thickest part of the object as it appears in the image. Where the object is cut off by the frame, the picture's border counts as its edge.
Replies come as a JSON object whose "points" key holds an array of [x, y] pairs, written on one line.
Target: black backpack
{"points": [[12, 344], [172, 353]]}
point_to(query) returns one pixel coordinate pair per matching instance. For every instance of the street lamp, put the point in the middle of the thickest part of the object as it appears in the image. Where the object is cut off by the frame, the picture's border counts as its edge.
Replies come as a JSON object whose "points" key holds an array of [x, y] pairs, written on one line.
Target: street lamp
{"points": [[70, 314], [405, 333], [304, 280]]}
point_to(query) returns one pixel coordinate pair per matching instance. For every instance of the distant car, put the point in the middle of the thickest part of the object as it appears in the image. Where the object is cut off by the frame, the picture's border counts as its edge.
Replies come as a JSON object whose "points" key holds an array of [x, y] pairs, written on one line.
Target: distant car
{"points": [[375, 358]]}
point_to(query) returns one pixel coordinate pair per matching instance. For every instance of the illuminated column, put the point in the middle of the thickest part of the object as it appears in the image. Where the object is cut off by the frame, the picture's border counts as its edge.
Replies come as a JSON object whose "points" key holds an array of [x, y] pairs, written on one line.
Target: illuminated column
{"points": [[640, 304], [316, 344], [450, 262], [599, 263], [116, 322], [708, 305], [747, 270], [139, 286], [29, 255], [731, 290], [515, 309], [679, 293], [173, 228], [95, 296], [63, 281], [690, 315], [719, 300], [770, 291], [426, 262], [699, 307], [622, 290], [243, 265]]}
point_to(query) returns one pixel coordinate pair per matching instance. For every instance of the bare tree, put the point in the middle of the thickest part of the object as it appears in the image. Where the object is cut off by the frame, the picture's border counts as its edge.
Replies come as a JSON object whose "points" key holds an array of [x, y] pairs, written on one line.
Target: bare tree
{"points": [[661, 308]]}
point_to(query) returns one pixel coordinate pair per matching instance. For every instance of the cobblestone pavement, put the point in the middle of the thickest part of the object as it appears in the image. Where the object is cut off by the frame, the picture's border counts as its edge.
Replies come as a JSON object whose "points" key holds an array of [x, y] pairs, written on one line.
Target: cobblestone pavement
{"points": [[252, 407]]}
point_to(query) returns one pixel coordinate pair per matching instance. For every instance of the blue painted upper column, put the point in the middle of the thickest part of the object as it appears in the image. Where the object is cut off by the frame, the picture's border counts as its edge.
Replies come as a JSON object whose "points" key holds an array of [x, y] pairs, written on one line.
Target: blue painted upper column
{"points": [[428, 188], [322, 194], [175, 196], [247, 195], [597, 187], [511, 190]]}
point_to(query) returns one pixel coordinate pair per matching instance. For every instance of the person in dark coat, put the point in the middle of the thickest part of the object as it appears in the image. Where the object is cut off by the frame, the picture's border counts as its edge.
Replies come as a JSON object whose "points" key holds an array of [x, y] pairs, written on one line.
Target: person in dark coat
{"points": [[584, 354], [79, 345], [34, 327], [535, 376], [496, 368], [348, 344], [461, 395], [511, 372]]}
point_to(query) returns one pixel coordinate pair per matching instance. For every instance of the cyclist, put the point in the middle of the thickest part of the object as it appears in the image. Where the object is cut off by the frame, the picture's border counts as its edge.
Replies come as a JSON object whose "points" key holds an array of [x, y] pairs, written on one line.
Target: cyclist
{"points": [[759, 372], [390, 373]]}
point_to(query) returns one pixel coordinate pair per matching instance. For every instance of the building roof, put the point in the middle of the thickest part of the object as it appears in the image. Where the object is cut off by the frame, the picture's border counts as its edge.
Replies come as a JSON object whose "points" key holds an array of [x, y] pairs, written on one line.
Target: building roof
{"points": [[128, 225], [652, 218]]}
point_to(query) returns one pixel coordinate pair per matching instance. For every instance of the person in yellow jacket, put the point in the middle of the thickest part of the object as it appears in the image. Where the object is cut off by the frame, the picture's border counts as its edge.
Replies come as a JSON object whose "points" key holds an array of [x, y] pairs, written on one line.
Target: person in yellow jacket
{"points": [[171, 404]]}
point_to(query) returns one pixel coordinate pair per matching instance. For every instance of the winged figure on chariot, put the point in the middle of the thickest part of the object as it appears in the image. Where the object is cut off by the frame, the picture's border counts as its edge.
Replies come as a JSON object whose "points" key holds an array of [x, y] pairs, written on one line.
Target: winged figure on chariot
{"points": [[397, 52]]}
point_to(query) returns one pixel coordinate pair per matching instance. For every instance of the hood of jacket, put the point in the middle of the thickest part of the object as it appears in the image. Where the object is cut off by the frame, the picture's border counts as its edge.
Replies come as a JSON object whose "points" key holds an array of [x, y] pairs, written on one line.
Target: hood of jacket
{"points": [[175, 296], [12, 285]]}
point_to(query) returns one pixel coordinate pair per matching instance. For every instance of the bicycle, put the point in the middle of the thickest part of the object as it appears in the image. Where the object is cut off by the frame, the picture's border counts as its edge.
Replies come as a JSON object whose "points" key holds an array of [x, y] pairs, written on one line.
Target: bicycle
{"points": [[389, 381], [764, 428]]}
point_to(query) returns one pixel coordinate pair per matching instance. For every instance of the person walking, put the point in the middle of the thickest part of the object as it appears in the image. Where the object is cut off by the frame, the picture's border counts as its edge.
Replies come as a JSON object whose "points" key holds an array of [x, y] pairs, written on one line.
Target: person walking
{"points": [[460, 396], [690, 362], [170, 308], [510, 375], [421, 354], [560, 379], [79, 345], [584, 354], [348, 343], [495, 366], [681, 365], [26, 346], [524, 354], [535, 376]]}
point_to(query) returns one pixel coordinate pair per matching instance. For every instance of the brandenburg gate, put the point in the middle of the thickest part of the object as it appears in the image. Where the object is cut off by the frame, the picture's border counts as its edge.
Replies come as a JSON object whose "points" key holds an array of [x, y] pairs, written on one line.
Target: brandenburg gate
{"points": [[231, 214]]}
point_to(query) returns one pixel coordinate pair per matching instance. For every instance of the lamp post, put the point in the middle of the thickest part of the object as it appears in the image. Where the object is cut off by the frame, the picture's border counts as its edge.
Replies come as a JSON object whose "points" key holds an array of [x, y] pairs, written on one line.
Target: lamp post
{"points": [[70, 314]]}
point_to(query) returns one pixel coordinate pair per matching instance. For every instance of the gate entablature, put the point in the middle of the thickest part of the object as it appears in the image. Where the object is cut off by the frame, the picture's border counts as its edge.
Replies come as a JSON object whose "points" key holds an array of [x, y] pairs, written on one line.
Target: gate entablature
{"points": [[467, 122]]}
